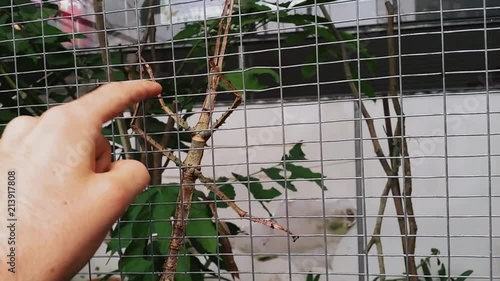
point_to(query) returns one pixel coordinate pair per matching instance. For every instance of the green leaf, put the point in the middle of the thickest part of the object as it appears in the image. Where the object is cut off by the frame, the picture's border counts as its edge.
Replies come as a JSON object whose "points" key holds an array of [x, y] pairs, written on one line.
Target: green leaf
{"points": [[122, 235], [309, 70], [59, 98], [365, 86], [121, 238], [367, 89], [313, 2], [296, 153], [131, 262], [5, 3], [442, 273], [257, 189], [252, 82], [202, 227], [297, 38], [372, 65], [183, 266], [227, 189], [427, 272], [299, 172], [464, 275], [47, 12], [274, 174], [163, 208], [301, 20], [435, 252], [140, 203], [163, 232], [6, 116], [61, 58], [189, 31], [196, 266], [252, 6]]}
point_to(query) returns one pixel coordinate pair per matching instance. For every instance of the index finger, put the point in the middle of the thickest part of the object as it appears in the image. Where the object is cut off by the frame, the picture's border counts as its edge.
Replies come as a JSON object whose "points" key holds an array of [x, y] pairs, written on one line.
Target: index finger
{"points": [[110, 100]]}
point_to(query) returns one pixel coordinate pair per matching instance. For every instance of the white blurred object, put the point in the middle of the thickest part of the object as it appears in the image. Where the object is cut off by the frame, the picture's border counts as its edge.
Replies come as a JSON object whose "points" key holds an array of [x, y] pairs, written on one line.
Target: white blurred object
{"points": [[321, 225]]}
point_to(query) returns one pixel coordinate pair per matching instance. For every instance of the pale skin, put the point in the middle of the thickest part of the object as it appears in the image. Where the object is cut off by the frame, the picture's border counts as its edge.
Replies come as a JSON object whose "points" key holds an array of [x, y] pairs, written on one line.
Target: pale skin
{"points": [[67, 190]]}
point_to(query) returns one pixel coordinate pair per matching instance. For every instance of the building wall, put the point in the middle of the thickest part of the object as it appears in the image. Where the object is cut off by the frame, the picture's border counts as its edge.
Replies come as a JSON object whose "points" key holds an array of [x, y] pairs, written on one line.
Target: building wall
{"points": [[467, 187]]}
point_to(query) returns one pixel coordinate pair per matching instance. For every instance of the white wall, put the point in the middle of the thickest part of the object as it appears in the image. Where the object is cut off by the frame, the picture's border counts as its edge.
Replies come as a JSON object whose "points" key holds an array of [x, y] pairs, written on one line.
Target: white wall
{"points": [[467, 175]]}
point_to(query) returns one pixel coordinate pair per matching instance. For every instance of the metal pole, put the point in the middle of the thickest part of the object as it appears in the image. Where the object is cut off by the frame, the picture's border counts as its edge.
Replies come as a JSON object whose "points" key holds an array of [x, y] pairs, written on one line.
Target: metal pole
{"points": [[359, 192]]}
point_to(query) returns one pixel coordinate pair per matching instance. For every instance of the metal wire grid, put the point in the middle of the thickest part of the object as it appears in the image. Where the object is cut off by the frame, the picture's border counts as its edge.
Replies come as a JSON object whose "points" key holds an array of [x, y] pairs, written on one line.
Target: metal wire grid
{"points": [[337, 144]]}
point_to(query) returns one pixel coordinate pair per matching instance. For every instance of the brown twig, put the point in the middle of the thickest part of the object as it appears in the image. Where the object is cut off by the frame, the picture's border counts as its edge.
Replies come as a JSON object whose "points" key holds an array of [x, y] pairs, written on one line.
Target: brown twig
{"points": [[408, 182], [242, 214], [101, 36], [379, 152], [410, 240], [354, 90], [397, 149], [150, 34], [200, 134], [226, 250], [193, 160], [165, 140]]}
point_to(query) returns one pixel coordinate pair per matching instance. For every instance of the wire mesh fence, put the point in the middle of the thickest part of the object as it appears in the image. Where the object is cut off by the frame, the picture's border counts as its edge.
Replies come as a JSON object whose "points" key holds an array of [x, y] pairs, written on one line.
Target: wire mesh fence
{"points": [[293, 140]]}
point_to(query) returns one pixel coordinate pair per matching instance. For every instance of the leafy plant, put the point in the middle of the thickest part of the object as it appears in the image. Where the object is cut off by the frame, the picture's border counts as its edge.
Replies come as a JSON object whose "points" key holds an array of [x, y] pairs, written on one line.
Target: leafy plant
{"points": [[311, 277], [426, 266]]}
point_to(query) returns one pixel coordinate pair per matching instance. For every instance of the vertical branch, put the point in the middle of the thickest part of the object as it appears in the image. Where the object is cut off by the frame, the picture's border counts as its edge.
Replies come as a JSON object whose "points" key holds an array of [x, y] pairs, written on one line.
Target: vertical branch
{"points": [[354, 90], [99, 21], [226, 250], [391, 172], [402, 145], [150, 35], [191, 164], [165, 140]]}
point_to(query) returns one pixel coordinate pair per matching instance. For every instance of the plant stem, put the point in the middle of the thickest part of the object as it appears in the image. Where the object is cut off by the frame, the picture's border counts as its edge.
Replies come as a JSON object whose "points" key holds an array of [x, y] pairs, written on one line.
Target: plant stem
{"points": [[411, 240], [379, 152], [22, 94], [99, 21]]}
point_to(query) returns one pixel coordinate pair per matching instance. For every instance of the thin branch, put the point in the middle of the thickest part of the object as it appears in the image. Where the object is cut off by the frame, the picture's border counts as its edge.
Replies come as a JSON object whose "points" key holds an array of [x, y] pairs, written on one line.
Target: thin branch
{"points": [[412, 225], [165, 140], [99, 21], [226, 251], [150, 34], [156, 145], [193, 158], [165, 108], [209, 183], [376, 144], [354, 90]]}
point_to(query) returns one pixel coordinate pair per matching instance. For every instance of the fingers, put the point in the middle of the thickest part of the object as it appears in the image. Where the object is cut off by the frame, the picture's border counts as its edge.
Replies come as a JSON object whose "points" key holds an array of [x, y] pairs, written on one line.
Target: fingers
{"points": [[106, 102], [102, 155], [18, 128], [116, 189]]}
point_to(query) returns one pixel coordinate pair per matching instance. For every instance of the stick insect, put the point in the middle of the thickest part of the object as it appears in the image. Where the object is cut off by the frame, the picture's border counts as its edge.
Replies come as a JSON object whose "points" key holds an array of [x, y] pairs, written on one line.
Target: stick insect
{"points": [[200, 134]]}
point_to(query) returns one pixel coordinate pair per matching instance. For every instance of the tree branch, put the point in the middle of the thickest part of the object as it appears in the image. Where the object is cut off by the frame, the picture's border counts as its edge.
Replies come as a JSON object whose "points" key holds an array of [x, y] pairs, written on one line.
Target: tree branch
{"points": [[99, 20]]}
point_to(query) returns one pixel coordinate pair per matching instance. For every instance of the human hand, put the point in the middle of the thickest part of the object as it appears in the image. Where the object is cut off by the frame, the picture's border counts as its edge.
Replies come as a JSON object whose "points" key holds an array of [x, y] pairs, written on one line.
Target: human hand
{"points": [[67, 190]]}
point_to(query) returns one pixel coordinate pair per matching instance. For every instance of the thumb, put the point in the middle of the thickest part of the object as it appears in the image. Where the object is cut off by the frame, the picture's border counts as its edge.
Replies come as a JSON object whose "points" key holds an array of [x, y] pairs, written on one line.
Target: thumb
{"points": [[117, 188]]}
